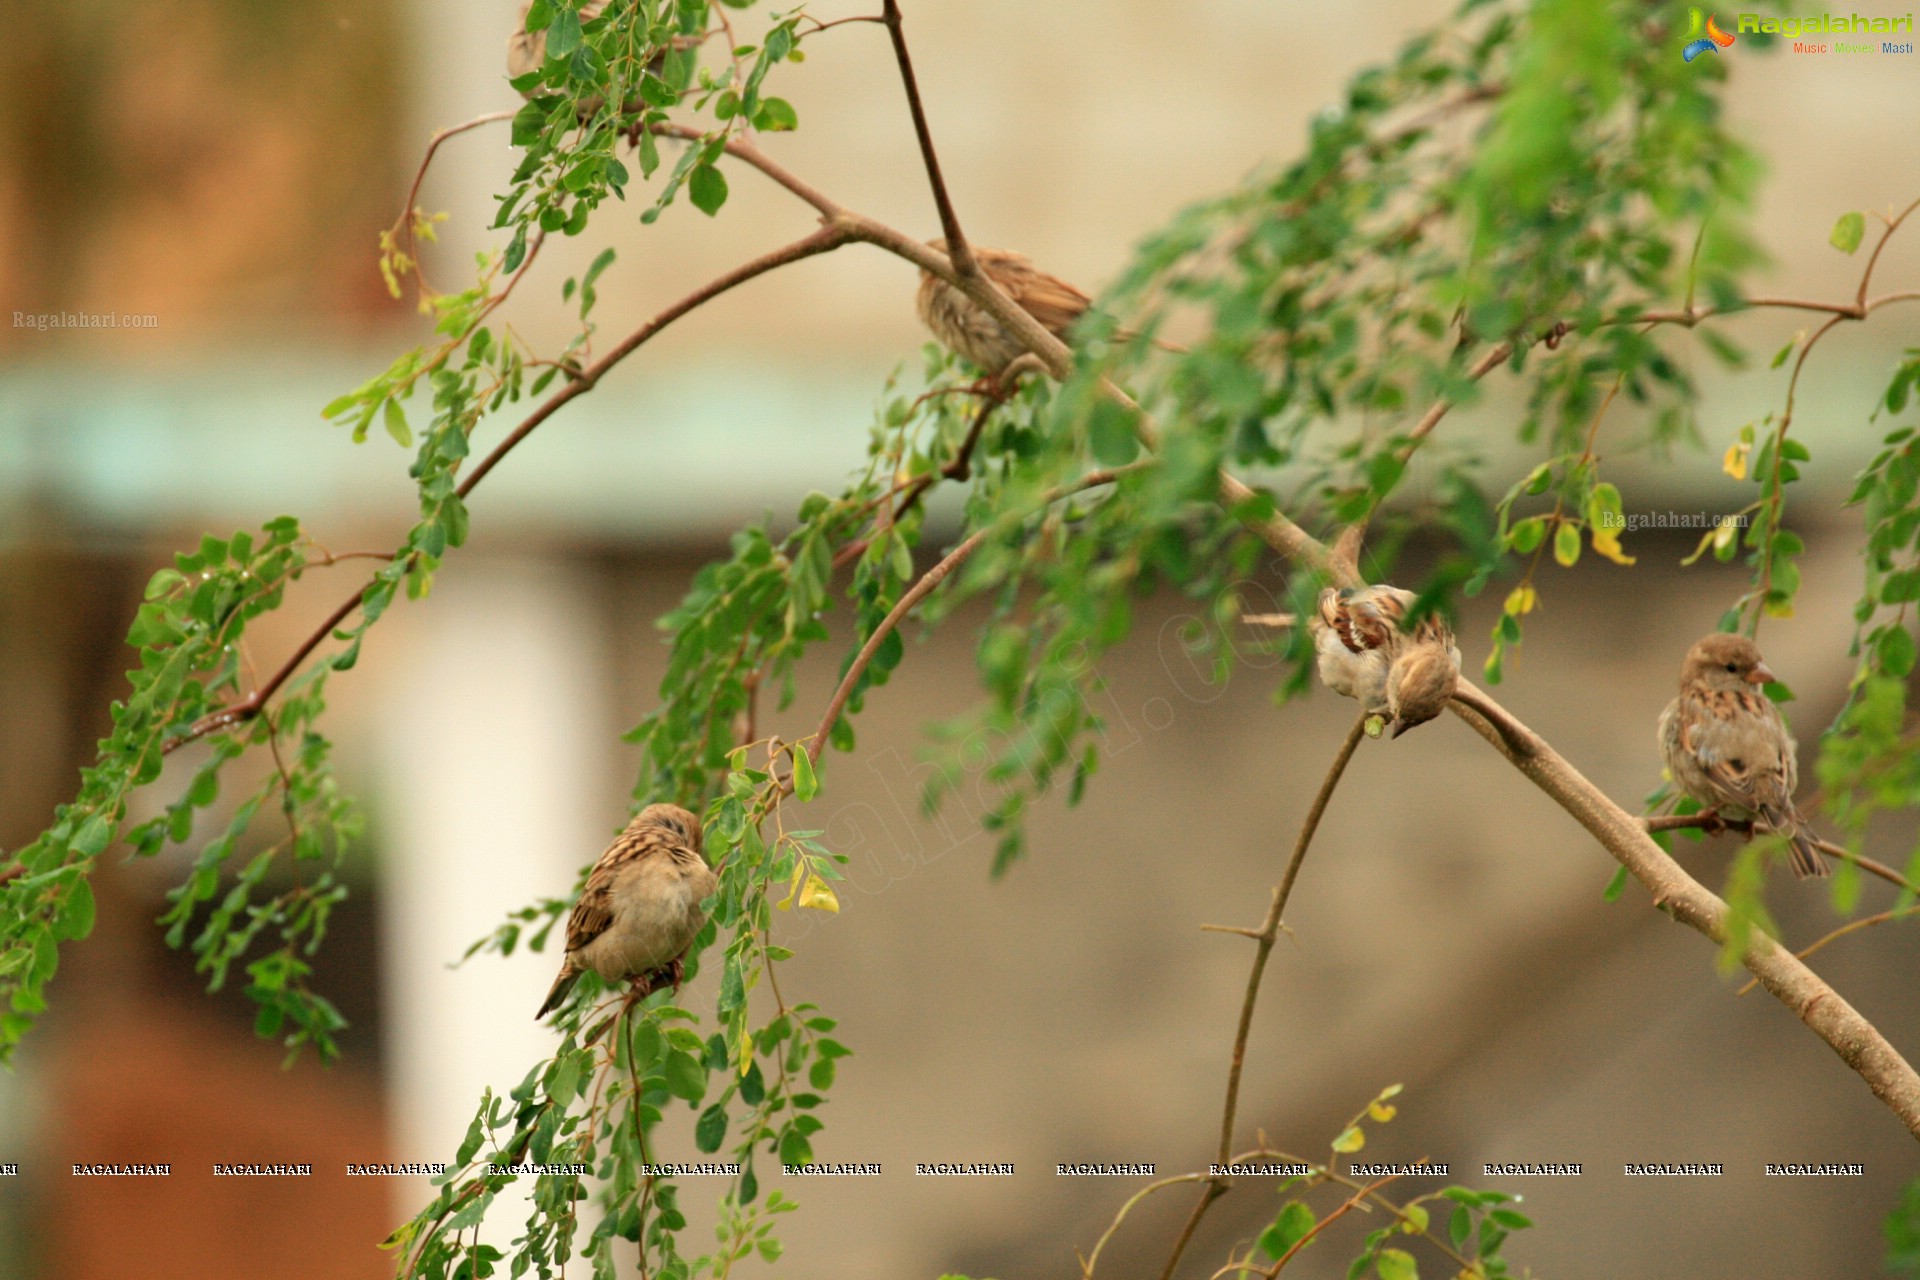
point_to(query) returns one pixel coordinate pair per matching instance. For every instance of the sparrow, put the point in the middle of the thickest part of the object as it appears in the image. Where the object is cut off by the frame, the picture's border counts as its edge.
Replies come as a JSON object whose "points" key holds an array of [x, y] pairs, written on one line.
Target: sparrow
{"points": [[965, 329], [641, 906], [1405, 676], [1726, 745]]}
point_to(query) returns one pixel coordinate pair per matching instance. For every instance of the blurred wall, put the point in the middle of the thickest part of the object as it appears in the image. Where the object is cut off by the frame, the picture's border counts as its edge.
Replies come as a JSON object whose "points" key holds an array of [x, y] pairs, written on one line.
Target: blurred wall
{"points": [[227, 169]]}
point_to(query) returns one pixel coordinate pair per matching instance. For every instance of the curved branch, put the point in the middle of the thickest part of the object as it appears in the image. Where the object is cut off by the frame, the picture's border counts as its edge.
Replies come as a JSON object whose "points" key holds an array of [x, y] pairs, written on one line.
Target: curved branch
{"points": [[1702, 822], [1851, 926], [822, 241], [927, 582], [1873, 259], [1264, 939], [1850, 1035], [949, 220], [742, 149]]}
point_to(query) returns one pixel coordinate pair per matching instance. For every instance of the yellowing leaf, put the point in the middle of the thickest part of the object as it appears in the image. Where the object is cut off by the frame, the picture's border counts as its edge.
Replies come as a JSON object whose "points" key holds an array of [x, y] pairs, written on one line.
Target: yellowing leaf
{"points": [[1352, 1140], [1606, 542], [1779, 608], [1521, 600], [1414, 1219], [816, 893], [1566, 545], [1382, 1111], [793, 890], [1735, 462], [746, 1052]]}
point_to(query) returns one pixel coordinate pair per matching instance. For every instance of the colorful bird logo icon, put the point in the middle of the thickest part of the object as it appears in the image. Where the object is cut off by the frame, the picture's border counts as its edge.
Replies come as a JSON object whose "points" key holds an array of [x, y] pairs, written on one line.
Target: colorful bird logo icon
{"points": [[1698, 44]]}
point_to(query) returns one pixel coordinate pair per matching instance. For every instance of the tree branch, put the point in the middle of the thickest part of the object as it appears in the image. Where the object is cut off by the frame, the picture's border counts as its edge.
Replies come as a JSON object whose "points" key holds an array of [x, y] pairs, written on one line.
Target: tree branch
{"points": [[1873, 259], [926, 583], [1264, 939], [957, 246], [1492, 359], [1852, 926], [1856, 1040], [825, 239], [1704, 822]]}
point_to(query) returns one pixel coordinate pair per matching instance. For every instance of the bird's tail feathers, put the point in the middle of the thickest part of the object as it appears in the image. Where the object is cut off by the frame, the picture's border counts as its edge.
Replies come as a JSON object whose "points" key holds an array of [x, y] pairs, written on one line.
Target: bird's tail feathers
{"points": [[1803, 848], [1805, 856], [561, 985]]}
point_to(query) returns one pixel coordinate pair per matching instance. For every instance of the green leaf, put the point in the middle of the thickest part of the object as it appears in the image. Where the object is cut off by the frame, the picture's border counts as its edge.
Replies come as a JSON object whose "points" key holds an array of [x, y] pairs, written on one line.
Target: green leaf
{"points": [[711, 1129], [563, 34], [686, 1078], [1895, 650], [76, 913], [1848, 231], [776, 115], [1528, 534], [707, 188], [1616, 886], [1286, 1231], [1566, 545], [91, 840], [806, 785], [1396, 1264], [795, 1149], [396, 424], [1111, 435]]}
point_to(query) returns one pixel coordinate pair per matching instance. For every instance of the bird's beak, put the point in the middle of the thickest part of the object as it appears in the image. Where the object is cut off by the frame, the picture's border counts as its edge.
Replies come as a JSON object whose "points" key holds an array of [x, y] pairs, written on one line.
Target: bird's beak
{"points": [[1399, 727], [1762, 675]]}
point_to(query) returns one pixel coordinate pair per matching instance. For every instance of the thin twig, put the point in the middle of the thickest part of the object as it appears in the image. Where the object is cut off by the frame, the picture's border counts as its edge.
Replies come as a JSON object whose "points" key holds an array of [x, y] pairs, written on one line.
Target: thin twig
{"points": [[1852, 926], [1873, 259], [824, 240], [1352, 1202], [1264, 939], [927, 582], [957, 247], [1487, 363], [420, 174], [821, 241], [1092, 1260], [1703, 822]]}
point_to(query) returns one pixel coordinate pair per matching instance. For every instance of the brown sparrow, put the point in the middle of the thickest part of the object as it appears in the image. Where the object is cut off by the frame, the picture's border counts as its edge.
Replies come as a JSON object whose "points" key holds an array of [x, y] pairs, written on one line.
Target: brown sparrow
{"points": [[1405, 676], [968, 331], [641, 907], [1726, 745]]}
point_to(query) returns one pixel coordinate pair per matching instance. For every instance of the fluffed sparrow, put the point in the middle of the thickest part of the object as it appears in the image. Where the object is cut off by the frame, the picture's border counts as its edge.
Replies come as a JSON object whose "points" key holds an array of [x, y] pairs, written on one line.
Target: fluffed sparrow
{"points": [[1405, 676], [641, 905], [1726, 745], [968, 331]]}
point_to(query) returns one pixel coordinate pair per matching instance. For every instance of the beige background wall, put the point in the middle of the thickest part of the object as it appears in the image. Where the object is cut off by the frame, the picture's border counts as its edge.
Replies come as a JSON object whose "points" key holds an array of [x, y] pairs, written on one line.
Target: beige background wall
{"points": [[1449, 932]]}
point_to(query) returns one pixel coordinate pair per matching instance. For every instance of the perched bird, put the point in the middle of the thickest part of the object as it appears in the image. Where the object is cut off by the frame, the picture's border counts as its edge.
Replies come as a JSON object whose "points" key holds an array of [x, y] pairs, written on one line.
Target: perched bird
{"points": [[965, 329], [1405, 676], [1726, 745], [641, 907]]}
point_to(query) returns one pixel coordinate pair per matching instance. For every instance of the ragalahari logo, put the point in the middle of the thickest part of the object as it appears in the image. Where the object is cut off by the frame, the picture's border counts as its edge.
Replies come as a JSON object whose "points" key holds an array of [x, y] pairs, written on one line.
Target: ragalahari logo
{"points": [[1697, 43]]}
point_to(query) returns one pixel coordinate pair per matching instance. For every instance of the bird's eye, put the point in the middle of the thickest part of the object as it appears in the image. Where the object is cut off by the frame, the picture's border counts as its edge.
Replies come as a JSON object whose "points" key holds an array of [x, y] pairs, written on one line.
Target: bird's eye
{"points": [[1733, 667]]}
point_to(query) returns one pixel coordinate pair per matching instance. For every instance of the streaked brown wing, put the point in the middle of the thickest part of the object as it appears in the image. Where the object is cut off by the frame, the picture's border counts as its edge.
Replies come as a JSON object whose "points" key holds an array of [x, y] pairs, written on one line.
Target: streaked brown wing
{"points": [[594, 912], [1368, 617], [1050, 300], [1738, 778]]}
